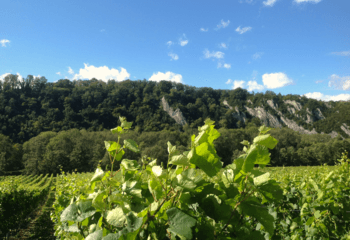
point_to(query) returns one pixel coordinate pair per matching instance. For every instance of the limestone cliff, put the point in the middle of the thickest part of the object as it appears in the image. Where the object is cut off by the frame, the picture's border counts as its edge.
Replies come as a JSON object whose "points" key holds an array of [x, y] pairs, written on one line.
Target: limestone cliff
{"points": [[176, 115]]}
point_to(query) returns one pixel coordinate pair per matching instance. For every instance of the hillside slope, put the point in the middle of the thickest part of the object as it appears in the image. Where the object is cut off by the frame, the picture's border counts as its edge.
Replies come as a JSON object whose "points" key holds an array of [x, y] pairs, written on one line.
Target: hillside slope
{"points": [[33, 106]]}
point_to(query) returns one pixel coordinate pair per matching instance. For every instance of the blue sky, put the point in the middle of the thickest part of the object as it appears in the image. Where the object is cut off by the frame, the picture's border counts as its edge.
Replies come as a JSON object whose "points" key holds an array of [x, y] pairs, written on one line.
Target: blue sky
{"points": [[285, 46]]}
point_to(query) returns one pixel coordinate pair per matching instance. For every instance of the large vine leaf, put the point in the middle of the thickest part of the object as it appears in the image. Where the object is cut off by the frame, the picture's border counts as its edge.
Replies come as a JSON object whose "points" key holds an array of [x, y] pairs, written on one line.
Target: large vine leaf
{"points": [[99, 173], [116, 217], [85, 210], [250, 158], [70, 213], [97, 235], [131, 145], [205, 158], [180, 223], [266, 140], [254, 209]]}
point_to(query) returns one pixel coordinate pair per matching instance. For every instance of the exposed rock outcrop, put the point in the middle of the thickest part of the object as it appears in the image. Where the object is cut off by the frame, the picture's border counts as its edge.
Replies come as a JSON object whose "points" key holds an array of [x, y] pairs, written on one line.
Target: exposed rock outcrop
{"points": [[267, 118], [176, 115], [345, 128], [333, 134], [328, 105], [294, 104], [319, 114], [238, 115], [272, 104]]}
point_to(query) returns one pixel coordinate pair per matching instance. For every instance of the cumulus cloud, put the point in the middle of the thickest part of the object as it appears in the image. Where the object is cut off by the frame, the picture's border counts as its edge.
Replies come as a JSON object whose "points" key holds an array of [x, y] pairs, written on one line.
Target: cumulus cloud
{"points": [[344, 53], [269, 3], [306, 1], [318, 81], [169, 76], [4, 42], [58, 73], [223, 24], [228, 81], [169, 43], [2, 77], [338, 82], [173, 56], [326, 98], [238, 84], [243, 30], [257, 55], [103, 73], [70, 70], [253, 85], [224, 65], [223, 45], [203, 30], [276, 80], [183, 40], [213, 54]]}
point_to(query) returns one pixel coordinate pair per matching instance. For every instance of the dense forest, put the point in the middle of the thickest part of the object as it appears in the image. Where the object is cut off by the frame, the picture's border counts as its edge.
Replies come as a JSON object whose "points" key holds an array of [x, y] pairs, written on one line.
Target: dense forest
{"points": [[48, 126]]}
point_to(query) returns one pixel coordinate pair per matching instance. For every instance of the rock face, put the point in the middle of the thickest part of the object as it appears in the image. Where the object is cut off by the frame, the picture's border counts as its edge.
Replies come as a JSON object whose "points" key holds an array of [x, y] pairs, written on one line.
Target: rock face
{"points": [[319, 114], [176, 115], [345, 128], [272, 121], [238, 115], [267, 118], [294, 104]]}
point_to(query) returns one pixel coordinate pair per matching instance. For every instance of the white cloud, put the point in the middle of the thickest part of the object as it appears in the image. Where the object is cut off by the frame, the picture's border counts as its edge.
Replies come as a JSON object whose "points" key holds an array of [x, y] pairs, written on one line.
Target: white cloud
{"points": [[223, 45], [2, 77], [173, 56], [318, 81], [228, 81], [253, 85], [203, 30], [169, 76], [312, 1], [223, 24], [58, 73], [169, 43], [103, 73], [276, 80], [70, 70], [338, 82], [225, 65], [326, 98], [344, 53], [4, 42], [183, 41], [243, 30], [217, 54], [257, 55], [238, 83], [269, 3]]}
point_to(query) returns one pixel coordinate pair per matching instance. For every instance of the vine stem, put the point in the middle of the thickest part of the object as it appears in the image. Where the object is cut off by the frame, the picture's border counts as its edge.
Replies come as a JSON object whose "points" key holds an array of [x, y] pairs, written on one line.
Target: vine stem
{"points": [[233, 212]]}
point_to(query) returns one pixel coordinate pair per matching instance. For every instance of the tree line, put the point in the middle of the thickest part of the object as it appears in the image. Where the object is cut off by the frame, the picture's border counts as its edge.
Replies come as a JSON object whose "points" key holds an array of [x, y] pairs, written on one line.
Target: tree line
{"points": [[33, 105], [45, 125], [81, 151]]}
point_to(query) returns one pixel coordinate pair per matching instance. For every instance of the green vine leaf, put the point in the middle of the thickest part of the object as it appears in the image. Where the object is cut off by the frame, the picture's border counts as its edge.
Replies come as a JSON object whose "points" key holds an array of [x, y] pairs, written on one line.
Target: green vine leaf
{"points": [[180, 223], [131, 145]]}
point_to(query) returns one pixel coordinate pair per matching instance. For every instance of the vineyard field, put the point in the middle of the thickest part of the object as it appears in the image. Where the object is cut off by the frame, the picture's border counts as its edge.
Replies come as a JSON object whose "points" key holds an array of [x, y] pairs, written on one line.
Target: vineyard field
{"points": [[194, 196]]}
